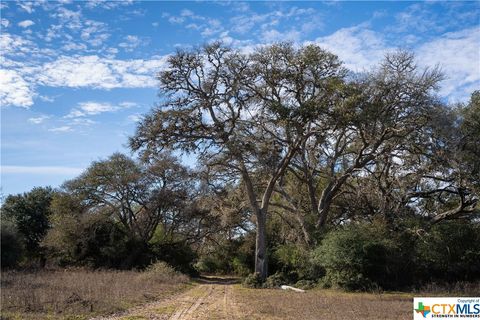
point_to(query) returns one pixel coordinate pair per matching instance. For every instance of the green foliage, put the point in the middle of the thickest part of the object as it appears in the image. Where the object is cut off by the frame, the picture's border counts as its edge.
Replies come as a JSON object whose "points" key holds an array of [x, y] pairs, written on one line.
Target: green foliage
{"points": [[295, 263], [361, 257], [228, 257], [30, 213], [449, 251], [306, 284], [12, 246], [177, 254], [80, 236], [253, 280], [240, 267], [275, 280]]}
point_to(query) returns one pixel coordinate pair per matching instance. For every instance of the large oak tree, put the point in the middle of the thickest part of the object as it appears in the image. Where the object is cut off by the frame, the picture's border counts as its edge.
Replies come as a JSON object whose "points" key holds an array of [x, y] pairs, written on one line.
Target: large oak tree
{"points": [[243, 115]]}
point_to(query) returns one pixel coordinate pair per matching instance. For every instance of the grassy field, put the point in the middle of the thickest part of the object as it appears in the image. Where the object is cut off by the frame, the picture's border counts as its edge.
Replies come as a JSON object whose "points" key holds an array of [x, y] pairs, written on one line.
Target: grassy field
{"points": [[81, 294]]}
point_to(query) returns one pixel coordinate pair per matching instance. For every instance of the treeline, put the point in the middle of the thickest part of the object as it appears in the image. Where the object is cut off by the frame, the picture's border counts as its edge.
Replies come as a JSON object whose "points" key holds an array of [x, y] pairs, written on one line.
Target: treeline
{"points": [[306, 173]]}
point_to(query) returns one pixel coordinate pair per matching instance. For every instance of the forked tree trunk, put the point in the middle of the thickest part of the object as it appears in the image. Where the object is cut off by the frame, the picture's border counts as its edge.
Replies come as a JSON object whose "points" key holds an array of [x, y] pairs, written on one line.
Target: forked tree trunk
{"points": [[261, 263]]}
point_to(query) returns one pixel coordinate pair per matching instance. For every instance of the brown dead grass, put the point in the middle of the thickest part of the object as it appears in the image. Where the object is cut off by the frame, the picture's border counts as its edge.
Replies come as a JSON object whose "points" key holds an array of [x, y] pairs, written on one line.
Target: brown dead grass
{"points": [[272, 304], [318, 304], [80, 294]]}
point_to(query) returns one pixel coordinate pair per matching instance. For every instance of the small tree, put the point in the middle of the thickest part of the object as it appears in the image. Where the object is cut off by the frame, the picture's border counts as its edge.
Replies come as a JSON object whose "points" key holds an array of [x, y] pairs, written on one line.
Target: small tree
{"points": [[30, 213]]}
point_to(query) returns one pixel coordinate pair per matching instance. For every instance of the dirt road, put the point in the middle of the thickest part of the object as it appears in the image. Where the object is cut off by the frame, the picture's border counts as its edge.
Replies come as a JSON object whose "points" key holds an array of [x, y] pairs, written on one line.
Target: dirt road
{"points": [[212, 298]]}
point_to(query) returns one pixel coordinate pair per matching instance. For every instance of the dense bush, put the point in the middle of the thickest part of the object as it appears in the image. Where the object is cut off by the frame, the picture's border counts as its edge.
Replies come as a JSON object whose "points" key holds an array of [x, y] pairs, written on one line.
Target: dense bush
{"points": [[231, 257], [275, 280], [179, 255], [295, 263], [362, 257], [253, 280], [12, 247], [89, 240], [449, 251]]}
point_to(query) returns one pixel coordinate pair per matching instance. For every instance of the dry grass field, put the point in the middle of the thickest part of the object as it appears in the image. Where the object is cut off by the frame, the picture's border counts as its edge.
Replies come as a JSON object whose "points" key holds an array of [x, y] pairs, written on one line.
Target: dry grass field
{"points": [[161, 294], [81, 294], [321, 304]]}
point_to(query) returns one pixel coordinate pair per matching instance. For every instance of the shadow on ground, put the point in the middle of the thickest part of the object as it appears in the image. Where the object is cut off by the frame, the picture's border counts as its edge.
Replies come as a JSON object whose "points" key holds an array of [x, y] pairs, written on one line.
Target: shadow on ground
{"points": [[217, 279]]}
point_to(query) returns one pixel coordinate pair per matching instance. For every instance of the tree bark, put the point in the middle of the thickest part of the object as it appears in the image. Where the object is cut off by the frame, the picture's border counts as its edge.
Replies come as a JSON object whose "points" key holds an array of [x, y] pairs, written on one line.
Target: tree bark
{"points": [[261, 263]]}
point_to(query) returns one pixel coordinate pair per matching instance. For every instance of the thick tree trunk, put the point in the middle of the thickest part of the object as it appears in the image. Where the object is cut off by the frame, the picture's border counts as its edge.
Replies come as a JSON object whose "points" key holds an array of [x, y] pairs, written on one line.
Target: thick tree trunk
{"points": [[261, 245]]}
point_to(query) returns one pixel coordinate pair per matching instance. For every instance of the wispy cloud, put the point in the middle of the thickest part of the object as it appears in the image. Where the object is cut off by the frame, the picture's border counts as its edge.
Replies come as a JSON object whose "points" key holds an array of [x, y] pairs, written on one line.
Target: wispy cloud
{"points": [[90, 108], [206, 25], [130, 43], [38, 120], [61, 129], [107, 4], [135, 117]]}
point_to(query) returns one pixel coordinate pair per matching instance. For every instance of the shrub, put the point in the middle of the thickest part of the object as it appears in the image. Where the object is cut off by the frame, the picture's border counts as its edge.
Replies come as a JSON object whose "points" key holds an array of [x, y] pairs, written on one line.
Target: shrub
{"points": [[12, 248], [450, 252], [162, 272], [360, 257], [305, 284], [296, 263], [179, 254], [240, 267], [253, 280], [275, 280]]}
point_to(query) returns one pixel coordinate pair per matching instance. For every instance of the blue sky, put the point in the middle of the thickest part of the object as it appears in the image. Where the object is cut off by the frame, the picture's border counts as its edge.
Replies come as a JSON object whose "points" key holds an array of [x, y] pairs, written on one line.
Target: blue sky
{"points": [[75, 77]]}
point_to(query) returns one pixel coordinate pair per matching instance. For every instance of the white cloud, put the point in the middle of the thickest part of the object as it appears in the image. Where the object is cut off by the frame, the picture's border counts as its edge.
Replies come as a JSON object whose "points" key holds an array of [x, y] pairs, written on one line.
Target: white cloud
{"points": [[61, 129], [90, 108], [186, 13], [358, 47], [49, 170], [458, 55], [14, 90], [47, 98], [275, 36], [70, 46], [11, 44], [81, 122], [38, 120], [26, 6], [455, 52], [71, 19], [130, 43], [95, 72], [135, 117], [4, 23], [213, 26], [247, 22], [106, 4], [26, 23], [206, 25], [176, 20], [127, 104]]}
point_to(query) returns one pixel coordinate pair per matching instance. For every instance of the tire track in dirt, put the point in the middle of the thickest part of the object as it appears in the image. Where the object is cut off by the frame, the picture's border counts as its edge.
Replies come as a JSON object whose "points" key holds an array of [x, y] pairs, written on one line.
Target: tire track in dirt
{"points": [[210, 299], [185, 313]]}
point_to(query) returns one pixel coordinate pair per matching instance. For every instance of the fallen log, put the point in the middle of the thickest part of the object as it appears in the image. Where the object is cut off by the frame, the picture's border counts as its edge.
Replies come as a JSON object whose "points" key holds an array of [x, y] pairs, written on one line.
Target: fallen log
{"points": [[291, 288]]}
